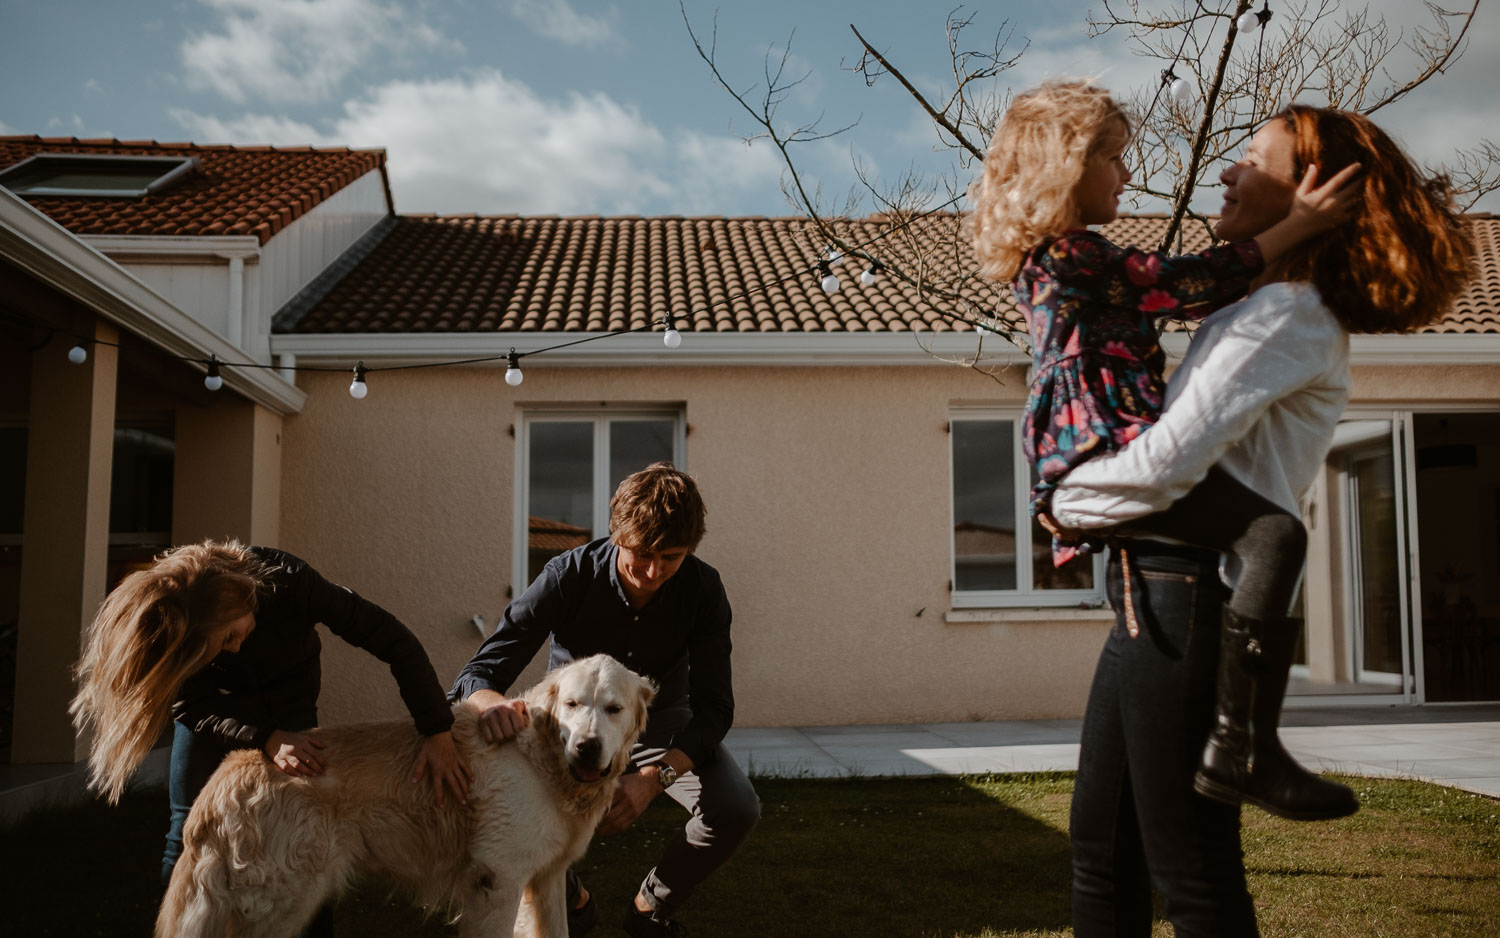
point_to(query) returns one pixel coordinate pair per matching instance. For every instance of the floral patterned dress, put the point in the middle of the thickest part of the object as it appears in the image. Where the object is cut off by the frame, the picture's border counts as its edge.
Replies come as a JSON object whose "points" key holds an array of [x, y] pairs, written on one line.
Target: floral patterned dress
{"points": [[1092, 308]]}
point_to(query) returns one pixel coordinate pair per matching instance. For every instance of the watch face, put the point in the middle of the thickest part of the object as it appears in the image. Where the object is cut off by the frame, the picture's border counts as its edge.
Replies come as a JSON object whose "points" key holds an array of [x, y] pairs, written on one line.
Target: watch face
{"points": [[667, 775]]}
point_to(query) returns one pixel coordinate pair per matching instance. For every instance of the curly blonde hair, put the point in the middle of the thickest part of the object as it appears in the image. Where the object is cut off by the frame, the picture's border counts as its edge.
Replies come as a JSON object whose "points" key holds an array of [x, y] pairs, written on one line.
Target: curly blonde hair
{"points": [[153, 631], [1035, 161], [1397, 264]]}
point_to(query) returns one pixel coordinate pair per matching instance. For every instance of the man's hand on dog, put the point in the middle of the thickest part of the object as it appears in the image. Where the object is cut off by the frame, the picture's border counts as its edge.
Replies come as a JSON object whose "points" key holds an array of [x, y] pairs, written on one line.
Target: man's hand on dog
{"points": [[500, 719], [439, 758], [631, 798], [296, 754]]}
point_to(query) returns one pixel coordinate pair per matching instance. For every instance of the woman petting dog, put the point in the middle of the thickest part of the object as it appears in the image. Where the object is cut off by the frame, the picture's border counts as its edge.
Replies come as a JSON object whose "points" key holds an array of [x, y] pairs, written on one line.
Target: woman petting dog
{"points": [[219, 638], [1256, 399]]}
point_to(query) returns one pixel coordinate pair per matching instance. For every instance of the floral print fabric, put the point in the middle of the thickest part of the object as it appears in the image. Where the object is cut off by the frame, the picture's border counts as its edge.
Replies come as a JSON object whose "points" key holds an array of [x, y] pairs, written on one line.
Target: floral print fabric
{"points": [[1092, 308]]}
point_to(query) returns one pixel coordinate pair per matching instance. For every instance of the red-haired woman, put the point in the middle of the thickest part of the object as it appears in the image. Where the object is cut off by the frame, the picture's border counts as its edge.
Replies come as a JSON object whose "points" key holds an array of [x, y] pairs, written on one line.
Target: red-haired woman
{"points": [[1257, 397]]}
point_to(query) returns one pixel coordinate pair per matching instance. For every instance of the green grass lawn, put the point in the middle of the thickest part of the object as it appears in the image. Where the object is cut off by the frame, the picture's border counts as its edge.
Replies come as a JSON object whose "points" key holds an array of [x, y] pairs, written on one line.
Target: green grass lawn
{"points": [[943, 857]]}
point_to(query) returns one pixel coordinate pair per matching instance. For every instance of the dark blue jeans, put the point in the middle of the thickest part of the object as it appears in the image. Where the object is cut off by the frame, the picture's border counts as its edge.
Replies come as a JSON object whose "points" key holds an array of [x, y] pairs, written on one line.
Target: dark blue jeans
{"points": [[1136, 821], [195, 756]]}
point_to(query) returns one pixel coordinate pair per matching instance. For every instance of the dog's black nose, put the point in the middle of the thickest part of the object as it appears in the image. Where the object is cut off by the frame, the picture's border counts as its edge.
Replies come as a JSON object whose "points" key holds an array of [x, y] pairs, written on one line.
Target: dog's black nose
{"points": [[588, 750]]}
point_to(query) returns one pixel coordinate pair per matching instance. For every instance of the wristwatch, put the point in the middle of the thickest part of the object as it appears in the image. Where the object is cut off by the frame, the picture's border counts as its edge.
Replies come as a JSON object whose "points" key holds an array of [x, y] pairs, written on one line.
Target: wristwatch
{"points": [[666, 776]]}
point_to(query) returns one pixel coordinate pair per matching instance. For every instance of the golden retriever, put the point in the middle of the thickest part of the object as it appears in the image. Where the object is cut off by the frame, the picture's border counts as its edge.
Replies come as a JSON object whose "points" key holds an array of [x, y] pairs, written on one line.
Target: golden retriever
{"points": [[264, 850]]}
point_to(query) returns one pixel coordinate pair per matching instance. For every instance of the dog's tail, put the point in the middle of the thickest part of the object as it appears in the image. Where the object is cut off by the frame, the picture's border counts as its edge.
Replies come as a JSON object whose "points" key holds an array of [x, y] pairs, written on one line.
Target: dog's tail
{"points": [[188, 909]]}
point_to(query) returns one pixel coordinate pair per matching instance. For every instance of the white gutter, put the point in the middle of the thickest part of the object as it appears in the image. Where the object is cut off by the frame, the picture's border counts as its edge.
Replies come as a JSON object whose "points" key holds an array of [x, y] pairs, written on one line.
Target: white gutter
{"points": [[41, 248], [1428, 349], [698, 348]]}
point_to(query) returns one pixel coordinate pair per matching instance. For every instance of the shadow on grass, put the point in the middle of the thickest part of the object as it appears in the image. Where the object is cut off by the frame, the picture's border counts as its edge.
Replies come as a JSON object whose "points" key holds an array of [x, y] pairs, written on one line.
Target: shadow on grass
{"points": [[910, 857]]}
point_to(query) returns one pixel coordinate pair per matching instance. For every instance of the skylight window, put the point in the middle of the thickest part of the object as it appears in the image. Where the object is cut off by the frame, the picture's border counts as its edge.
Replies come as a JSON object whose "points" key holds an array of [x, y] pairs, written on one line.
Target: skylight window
{"points": [[86, 174]]}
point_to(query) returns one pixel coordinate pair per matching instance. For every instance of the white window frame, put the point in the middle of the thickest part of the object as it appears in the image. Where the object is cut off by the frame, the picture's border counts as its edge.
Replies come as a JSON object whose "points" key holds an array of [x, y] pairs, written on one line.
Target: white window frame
{"points": [[600, 417], [1021, 474], [168, 170]]}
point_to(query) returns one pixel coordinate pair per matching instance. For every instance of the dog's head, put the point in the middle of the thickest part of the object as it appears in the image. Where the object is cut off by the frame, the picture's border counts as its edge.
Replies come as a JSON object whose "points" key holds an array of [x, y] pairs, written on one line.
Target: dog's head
{"points": [[597, 707]]}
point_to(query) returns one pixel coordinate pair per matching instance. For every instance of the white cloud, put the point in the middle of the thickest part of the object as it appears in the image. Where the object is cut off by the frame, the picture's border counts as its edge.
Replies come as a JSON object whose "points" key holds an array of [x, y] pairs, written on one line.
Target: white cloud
{"points": [[486, 143], [556, 19], [297, 50], [250, 130]]}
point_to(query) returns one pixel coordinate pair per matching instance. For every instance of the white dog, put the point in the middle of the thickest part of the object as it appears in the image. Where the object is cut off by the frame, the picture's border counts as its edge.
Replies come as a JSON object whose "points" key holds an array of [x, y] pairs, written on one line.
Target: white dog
{"points": [[264, 850]]}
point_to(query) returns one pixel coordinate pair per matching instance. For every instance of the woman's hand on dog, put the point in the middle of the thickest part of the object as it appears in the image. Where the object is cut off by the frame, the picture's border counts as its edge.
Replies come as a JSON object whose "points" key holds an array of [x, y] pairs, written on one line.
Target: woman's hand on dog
{"points": [[296, 754], [440, 759]]}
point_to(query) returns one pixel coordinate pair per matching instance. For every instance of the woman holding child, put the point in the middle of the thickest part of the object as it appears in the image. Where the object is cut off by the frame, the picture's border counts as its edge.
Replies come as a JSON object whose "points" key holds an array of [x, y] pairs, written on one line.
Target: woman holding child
{"points": [[1180, 724]]}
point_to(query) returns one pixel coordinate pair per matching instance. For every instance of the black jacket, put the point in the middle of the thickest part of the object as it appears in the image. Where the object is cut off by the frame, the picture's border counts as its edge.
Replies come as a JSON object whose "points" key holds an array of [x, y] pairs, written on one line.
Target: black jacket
{"points": [[272, 682]]}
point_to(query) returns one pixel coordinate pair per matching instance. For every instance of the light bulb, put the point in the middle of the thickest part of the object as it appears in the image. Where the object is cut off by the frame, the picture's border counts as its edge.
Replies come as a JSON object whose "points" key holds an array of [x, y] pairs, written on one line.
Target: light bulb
{"points": [[867, 277], [78, 354], [834, 255], [672, 338], [1181, 91], [213, 380], [357, 388], [513, 376], [1249, 22], [830, 284]]}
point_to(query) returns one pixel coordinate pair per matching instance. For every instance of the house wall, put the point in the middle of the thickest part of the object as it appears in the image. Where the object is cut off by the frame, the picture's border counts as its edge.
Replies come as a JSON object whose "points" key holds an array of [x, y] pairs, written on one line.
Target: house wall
{"points": [[829, 517]]}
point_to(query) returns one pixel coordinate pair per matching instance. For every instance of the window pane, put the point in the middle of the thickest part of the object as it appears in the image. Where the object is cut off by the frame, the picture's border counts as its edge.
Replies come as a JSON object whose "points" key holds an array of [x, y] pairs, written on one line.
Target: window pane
{"points": [[1379, 571], [636, 444], [984, 505], [140, 497], [1076, 574], [560, 480]]}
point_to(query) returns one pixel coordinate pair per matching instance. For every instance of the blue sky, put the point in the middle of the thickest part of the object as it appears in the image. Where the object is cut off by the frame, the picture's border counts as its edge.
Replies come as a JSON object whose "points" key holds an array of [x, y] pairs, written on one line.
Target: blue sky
{"points": [[574, 106]]}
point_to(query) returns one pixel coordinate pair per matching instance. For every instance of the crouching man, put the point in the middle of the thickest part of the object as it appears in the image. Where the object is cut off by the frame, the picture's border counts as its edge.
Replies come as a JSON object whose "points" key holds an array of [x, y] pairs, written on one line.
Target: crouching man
{"points": [[642, 597]]}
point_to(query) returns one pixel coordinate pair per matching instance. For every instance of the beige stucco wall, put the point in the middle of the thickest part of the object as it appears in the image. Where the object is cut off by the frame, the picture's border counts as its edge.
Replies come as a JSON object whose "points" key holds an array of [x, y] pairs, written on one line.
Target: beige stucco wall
{"points": [[829, 519], [227, 472]]}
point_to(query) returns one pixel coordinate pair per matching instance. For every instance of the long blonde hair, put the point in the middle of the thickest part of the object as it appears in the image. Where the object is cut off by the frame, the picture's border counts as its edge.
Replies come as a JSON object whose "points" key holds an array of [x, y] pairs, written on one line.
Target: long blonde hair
{"points": [[1035, 162], [153, 631]]}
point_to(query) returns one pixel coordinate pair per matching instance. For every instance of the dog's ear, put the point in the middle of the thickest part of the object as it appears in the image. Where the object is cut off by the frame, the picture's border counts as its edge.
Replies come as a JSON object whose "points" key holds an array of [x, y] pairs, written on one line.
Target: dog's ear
{"points": [[541, 704], [644, 695]]}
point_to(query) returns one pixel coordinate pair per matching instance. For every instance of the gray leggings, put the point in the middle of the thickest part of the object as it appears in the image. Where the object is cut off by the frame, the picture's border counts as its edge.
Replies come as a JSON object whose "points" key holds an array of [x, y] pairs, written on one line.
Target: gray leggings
{"points": [[1223, 514]]}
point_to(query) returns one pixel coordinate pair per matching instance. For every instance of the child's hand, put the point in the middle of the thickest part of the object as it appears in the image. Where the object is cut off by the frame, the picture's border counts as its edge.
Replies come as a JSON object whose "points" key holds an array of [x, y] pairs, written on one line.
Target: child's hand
{"points": [[1318, 208]]}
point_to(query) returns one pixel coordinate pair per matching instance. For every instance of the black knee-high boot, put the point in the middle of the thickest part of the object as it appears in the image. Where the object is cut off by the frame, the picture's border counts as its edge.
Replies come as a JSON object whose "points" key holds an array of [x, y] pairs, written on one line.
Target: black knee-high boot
{"points": [[1244, 758]]}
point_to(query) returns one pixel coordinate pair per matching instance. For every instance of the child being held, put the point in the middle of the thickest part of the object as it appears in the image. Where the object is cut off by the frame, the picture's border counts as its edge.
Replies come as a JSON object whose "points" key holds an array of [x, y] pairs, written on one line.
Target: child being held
{"points": [[1055, 166]]}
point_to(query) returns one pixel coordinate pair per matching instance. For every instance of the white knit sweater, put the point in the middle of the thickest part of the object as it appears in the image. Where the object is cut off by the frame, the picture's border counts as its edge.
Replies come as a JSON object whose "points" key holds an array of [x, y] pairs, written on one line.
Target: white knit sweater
{"points": [[1259, 394]]}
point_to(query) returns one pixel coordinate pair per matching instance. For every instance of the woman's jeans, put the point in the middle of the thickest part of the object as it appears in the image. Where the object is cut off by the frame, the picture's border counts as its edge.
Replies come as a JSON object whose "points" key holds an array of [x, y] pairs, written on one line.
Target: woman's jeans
{"points": [[1136, 821]]}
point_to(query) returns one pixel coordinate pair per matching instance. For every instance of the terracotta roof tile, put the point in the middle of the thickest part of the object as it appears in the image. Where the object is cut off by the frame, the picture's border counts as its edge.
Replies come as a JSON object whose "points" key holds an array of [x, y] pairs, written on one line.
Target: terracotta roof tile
{"points": [[238, 190], [472, 273], [466, 273]]}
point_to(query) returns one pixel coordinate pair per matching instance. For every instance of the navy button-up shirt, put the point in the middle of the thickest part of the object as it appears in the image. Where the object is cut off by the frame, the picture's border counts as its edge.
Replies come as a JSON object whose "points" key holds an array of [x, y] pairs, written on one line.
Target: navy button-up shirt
{"points": [[679, 639]]}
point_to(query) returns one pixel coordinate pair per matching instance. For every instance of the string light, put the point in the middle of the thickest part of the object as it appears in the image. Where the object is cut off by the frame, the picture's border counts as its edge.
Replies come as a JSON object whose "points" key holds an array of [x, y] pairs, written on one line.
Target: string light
{"points": [[834, 255], [213, 380], [830, 282], [513, 376], [1252, 20], [78, 354], [357, 388], [868, 276], [1178, 88], [671, 338]]}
